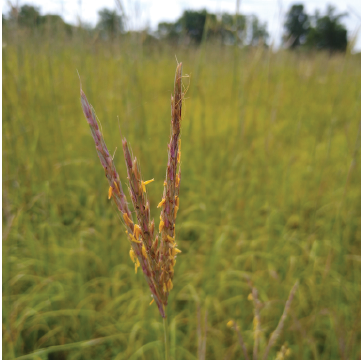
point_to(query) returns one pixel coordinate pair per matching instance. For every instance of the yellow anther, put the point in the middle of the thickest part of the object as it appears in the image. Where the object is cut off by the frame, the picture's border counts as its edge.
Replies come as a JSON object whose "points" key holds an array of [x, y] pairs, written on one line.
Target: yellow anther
{"points": [[175, 251], [144, 252], [151, 302], [165, 183], [250, 297], [177, 181], [169, 284], [133, 238], [132, 255], [137, 231], [146, 183], [136, 265], [110, 192], [161, 225], [134, 259], [161, 203], [175, 211], [178, 156], [126, 219], [230, 323], [179, 145], [172, 240]]}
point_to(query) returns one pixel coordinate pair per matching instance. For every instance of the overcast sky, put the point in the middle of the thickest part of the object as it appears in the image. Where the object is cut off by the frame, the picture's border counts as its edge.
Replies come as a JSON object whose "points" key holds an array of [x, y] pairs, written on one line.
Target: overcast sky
{"points": [[142, 13]]}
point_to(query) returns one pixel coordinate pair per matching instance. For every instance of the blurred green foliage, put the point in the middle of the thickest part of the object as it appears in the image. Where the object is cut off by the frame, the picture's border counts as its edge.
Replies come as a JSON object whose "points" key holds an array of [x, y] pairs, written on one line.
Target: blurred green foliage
{"points": [[193, 27], [190, 28], [110, 23], [28, 17], [328, 33], [270, 193], [315, 32]]}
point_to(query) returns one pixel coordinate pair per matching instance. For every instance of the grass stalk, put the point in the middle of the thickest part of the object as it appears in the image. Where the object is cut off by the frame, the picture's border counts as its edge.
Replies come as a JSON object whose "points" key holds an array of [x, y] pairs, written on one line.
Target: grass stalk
{"points": [[281, 323], [257, 323], [166, 338], [240, 338]]}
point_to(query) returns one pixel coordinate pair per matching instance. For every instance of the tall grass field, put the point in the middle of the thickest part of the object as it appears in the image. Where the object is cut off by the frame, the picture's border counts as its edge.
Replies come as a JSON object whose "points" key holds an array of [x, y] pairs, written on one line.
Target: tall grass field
{"points": [[270, 195]]}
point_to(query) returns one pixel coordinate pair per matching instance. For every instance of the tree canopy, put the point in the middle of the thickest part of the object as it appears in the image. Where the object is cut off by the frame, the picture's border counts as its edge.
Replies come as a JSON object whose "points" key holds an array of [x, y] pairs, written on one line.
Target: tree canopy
{"points": [[29, 17], [315, 32], [328, 33], [229, 29], [296, 25], [110, 23]]}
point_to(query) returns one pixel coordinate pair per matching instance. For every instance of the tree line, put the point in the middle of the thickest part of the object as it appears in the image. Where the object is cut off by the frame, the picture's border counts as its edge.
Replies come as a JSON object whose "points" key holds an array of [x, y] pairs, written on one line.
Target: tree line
{"points": [[324, 32], [301, 30]]}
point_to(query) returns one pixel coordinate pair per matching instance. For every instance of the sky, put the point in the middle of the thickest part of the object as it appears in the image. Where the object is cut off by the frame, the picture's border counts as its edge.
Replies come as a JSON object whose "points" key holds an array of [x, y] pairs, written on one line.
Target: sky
{"points": [[148, 13]]}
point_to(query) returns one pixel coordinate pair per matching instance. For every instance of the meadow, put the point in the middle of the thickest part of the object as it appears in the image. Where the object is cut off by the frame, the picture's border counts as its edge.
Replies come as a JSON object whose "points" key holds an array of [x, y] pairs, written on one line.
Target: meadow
{"points": [[270, 194]]}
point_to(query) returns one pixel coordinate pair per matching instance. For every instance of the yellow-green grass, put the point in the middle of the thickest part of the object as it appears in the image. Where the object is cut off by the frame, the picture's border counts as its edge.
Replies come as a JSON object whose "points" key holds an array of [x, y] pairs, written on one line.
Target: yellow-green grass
{"points": [[270, 192]]}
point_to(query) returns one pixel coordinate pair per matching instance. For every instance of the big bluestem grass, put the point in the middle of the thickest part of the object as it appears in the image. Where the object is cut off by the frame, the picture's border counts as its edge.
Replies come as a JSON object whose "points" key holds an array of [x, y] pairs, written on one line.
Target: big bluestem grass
{"points": [[155, 256]]}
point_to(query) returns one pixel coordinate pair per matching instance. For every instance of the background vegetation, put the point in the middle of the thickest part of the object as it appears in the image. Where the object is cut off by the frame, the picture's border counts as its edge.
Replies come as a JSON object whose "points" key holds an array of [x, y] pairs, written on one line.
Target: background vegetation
{"points": [[310, 32], [318, 32], [270, 194]]}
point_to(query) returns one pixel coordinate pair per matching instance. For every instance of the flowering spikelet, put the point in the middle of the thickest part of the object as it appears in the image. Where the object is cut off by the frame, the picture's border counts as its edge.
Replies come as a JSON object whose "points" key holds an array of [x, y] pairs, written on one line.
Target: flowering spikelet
{"points": [[137, 231], [161, 203], [132, 238], [146, 183], [127, 219], [161, 225], [156, 256]]}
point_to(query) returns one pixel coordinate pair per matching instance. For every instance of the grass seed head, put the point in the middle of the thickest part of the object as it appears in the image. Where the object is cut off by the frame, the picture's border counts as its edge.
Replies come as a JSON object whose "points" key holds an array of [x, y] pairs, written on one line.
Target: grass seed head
{"points": [[156, 258]]}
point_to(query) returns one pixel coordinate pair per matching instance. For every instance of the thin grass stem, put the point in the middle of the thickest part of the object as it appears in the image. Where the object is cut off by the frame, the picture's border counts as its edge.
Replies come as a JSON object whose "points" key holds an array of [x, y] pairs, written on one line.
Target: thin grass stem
{"points": [[240, 340], [166, 338], [257, 323], [281, 323]]}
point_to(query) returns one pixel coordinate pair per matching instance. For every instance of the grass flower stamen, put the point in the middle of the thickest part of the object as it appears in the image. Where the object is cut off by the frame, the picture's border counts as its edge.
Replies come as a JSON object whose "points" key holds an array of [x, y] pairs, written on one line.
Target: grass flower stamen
{"points": [[146, 183]]}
